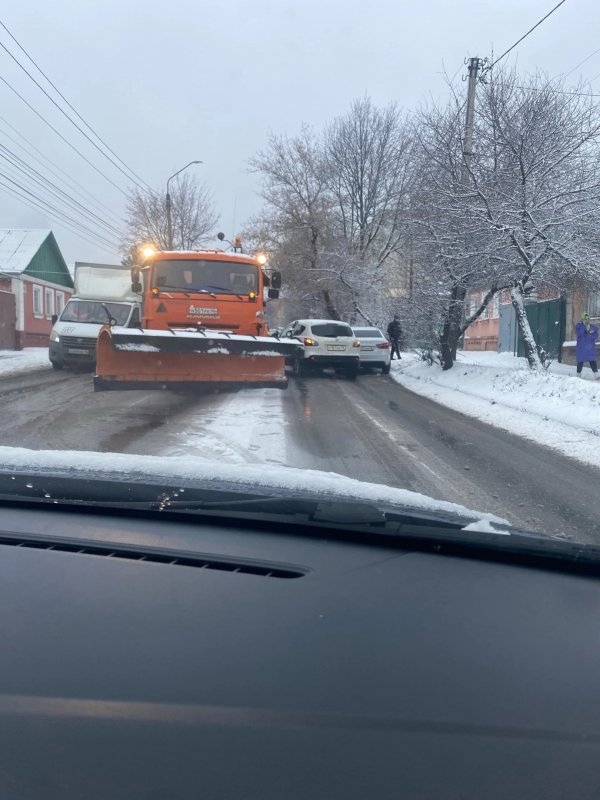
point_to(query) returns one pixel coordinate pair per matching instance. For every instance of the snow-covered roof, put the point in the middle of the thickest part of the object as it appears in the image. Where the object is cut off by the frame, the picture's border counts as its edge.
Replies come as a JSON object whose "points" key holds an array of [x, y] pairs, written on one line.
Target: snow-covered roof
{"points": [[18, 246]]}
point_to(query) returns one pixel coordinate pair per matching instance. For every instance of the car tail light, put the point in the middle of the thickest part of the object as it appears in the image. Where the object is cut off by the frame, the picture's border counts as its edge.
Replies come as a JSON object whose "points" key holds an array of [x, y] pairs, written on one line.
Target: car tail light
{"points": [[357, 343], [310, 342], [383, 346]]}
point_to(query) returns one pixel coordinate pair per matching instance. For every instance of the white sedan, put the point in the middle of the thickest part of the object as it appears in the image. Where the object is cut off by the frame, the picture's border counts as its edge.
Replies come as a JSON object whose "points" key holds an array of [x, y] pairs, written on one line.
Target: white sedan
{"points": [[374, 349]]}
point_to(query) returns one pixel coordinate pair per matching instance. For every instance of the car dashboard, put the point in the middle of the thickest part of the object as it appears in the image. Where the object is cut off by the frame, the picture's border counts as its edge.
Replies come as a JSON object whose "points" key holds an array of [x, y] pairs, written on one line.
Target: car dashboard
{"points": [[157, 656]]}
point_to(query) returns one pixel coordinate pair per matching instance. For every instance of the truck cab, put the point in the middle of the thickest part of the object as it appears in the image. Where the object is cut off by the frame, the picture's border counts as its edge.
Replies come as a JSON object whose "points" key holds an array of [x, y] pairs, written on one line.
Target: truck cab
{"points": [[103, 296], [74, 334], [210, 289]]}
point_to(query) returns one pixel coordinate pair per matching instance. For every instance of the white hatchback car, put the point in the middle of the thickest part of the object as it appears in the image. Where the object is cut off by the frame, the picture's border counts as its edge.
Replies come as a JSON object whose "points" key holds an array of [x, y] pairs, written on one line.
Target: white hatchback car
{"points": [[375, 349], [328, 344]]}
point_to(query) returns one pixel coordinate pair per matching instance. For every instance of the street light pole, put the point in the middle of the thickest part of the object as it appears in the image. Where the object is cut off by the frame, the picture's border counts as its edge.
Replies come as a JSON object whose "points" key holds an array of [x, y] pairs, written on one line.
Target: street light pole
{"points": [[168, 203]]}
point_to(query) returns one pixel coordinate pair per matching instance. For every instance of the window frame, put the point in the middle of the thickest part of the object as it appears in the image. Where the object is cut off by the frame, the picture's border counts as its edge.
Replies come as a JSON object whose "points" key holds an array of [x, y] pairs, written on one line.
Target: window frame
{"points": [[59, 303], [37, 295], [49, 307], [496, 306]]}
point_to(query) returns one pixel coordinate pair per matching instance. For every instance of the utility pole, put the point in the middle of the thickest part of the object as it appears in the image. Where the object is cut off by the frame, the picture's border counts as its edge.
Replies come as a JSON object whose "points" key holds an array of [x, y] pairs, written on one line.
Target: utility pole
{"points": [[474, 66], [168, 204], [169, 221], [451, 331]]}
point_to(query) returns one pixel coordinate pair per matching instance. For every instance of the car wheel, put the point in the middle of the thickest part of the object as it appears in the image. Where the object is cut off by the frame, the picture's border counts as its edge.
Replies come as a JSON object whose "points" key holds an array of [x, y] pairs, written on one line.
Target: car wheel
{"points": [[300, 369], [386, 369], [56, 365], [352, 373]]}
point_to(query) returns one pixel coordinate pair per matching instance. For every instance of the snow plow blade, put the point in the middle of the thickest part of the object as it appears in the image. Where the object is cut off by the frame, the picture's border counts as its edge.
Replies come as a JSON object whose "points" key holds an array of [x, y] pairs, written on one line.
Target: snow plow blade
{"points": [[133, 358]]}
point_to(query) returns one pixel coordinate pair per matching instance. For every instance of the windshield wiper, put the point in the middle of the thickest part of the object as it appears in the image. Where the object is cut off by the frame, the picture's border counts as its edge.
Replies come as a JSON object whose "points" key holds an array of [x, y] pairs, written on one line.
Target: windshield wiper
{"points": [[207, 288], [174, 289], [306, 514]]}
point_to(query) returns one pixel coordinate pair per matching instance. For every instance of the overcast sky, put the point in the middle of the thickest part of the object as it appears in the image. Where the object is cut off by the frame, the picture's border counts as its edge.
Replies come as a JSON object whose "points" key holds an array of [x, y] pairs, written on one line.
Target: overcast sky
{"points": [[168, 82]]}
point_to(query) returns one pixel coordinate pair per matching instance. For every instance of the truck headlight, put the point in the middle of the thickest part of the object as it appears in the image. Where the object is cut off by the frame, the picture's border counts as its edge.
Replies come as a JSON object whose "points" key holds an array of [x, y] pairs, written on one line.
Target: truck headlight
{"points": [[54, 337]]}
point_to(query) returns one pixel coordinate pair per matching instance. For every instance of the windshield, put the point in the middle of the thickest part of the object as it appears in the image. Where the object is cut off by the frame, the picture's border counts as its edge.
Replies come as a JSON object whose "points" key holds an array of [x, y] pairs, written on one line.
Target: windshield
{"points": [[331, 329], [95, 312], [205, 276], [368, 333], [427, 314]]}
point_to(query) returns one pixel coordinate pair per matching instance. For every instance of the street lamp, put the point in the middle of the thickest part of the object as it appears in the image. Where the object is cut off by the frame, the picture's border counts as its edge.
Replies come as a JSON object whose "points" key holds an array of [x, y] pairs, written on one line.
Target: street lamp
{"points": [[168, 203]]}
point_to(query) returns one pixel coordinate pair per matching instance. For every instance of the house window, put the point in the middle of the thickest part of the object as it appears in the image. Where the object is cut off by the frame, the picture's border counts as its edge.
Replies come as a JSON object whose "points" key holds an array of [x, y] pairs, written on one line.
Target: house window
{"points": [[594, 304], [473, 303], [486, 312], [60, 302], [496, 306], [38, 301], [49, 302]]}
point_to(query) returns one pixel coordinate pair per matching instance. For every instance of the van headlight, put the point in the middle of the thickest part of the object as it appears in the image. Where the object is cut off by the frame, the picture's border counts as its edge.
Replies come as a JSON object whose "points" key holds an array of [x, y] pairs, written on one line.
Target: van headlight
{"points": [[54, 337]]}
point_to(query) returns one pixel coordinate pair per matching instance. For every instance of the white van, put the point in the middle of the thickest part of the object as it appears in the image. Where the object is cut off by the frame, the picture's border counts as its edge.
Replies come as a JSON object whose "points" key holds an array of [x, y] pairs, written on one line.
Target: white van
{"points": [[103, 296]]}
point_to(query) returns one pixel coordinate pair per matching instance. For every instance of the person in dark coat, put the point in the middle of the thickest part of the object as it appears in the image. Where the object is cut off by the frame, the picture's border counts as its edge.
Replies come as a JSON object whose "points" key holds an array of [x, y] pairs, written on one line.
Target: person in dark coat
{"points": [[586, 345], [394, 330]]}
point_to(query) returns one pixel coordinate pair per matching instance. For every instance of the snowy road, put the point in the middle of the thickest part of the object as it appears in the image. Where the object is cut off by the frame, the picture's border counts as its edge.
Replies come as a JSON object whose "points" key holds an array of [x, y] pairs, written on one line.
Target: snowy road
{"points": [[372, 430]]}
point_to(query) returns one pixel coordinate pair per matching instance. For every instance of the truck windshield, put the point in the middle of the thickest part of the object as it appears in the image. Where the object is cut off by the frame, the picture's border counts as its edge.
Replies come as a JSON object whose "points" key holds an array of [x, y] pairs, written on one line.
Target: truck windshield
{"points": [[199, 275], [93, 311]]}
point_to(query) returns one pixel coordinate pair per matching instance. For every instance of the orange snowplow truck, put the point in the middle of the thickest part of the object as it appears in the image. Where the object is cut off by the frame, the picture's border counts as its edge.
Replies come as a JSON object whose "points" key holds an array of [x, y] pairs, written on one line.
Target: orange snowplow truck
{"points": [[203, 324]]}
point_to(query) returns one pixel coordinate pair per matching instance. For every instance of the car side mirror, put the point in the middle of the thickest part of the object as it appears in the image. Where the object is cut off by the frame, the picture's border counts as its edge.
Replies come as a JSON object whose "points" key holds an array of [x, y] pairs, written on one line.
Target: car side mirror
{"points": [[275, 334], [273, 294], [54, 318], [290, 334], [276, 279], [136, 287]]}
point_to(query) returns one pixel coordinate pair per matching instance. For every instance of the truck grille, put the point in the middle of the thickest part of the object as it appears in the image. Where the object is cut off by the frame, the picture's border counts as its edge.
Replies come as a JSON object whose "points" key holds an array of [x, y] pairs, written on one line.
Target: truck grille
{"points": [[84, 348]]}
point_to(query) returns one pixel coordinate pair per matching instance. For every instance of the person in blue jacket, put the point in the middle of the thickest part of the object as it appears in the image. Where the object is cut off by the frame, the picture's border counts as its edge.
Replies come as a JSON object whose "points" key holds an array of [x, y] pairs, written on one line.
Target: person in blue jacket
{"points": [[586, 345]]}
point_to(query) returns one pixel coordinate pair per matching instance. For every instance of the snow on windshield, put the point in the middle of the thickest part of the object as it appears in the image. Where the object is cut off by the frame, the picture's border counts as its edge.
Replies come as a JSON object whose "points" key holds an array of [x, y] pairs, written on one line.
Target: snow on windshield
{"points": [[195, 471]]}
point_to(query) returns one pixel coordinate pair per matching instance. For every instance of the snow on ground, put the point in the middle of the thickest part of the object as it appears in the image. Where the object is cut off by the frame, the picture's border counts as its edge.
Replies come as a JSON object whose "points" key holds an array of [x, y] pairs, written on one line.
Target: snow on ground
{"points": [[556, 408], [13, 362], [246, 427]]}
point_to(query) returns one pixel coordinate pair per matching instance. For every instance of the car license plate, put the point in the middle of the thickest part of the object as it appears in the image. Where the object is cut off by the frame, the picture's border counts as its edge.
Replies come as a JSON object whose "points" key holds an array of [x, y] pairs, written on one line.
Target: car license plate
{"points": [[367, 349], [336, 346], [77, 351]]}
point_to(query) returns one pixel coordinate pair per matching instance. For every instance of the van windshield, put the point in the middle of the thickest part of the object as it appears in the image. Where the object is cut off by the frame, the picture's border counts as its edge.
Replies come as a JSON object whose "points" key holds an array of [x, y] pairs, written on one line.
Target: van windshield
{"points": [[203, 275], [94, 312]]}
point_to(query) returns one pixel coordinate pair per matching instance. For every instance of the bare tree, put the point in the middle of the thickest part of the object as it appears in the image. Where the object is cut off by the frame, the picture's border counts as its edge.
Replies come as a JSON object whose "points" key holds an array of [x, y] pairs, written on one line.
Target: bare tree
{"points": [[450, 246], [336, 208], [193, 215], [536, 186], [294, 225], [369, 158], [530, 213]]}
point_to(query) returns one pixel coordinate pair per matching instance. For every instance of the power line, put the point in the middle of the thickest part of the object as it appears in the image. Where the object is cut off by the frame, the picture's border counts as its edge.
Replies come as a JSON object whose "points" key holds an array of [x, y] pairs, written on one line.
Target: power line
{"points": [[34, 175], [558, 91], [74, 185], [64, 113], [587, 58], [525, 35], [45, 207], [57, 211], [12, 193], [59, 134], [61, 95]]}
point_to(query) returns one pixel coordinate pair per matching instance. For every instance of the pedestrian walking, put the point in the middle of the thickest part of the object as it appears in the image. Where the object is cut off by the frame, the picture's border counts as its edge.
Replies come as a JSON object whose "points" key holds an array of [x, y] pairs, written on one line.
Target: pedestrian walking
{"points": [[394, 330], [586, 345]]}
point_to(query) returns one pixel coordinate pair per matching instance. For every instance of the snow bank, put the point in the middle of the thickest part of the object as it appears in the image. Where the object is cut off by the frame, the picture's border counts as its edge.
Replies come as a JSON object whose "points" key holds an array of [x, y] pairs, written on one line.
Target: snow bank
{"points": [[14, 362], [556, 409]]}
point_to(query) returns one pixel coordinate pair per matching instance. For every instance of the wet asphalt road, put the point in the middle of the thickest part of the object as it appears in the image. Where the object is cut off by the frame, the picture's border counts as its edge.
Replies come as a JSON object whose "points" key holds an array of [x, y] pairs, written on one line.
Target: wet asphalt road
{"points": [[371, 429]]}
